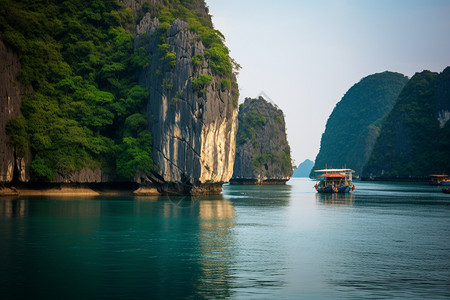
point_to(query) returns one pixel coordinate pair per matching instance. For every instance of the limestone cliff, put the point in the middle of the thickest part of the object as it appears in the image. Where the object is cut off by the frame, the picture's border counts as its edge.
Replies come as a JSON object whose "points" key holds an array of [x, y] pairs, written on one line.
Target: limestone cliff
{"points": [[12, 164], [112, 99], [190, 111], [262, 151], [355, 122], [414, 141]]}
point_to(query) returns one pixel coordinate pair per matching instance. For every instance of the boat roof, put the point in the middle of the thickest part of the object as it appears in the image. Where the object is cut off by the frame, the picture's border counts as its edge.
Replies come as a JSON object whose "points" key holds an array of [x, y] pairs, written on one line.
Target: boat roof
{"points": [[440, 175], [333, 175], [335, 170]]}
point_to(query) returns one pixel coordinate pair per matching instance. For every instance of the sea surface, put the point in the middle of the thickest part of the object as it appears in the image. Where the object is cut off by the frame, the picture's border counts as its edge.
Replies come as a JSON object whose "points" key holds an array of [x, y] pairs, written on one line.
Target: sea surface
{"points": [[383, 241]]}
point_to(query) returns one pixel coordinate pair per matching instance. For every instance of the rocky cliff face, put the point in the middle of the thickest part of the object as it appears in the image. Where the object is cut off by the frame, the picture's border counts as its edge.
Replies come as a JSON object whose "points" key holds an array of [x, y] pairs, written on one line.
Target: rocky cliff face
{"points": [[191, 115], [12, 166], [262, 151]]}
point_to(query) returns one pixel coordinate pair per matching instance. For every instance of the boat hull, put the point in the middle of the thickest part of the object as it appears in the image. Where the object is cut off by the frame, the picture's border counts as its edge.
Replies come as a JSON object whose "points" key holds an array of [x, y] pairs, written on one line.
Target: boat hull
{"points": [[445, 183], [344, 189], [334, 189]]}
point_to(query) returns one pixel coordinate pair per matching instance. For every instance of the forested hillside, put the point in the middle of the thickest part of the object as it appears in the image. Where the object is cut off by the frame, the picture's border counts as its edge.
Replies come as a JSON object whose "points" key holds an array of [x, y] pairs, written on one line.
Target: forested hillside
{"points": [[83, 107], [415, 138], [354, 124]]}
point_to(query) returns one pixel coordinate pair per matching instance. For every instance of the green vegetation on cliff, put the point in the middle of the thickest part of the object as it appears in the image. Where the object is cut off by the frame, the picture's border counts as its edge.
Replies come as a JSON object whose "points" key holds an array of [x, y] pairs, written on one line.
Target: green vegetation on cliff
{"points": [[249, 122], [84, 107], [199, 22], [78, 58], [354, 124], [415, 138]]}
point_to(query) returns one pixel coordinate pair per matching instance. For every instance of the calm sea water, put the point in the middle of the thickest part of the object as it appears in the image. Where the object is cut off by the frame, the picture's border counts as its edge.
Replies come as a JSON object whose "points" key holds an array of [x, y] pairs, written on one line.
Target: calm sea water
{"points": [[384, 241]]}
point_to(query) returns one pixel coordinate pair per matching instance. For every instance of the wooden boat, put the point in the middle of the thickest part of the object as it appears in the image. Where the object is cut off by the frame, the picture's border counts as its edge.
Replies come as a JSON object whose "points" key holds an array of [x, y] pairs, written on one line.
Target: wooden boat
{"points": [[334, 181], [439, 179]]}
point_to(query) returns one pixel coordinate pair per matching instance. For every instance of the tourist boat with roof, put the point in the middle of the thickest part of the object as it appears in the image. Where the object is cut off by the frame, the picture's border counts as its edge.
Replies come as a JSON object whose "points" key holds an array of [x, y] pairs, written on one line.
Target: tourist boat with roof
{"points": [[334, 181], [439, 179]]}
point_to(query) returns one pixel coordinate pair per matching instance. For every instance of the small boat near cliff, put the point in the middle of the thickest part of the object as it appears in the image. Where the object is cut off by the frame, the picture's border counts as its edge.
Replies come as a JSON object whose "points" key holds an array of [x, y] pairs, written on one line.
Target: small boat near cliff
{"points": [[334, 181]]}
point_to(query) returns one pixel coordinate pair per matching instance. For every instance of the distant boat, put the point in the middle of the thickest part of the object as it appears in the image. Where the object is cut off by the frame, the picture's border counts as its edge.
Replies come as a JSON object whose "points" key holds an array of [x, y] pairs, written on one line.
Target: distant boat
{"points": [[334, 181], [441, 179], [446, 191]]}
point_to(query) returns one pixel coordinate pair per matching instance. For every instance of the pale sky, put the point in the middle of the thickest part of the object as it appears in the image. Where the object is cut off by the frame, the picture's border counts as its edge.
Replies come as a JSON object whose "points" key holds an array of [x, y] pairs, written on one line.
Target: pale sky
{"points": [[306, 54]]}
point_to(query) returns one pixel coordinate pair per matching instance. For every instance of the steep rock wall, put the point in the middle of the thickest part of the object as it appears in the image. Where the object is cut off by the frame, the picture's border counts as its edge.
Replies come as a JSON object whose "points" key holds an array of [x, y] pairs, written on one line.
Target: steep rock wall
{"points": [[193, 130], [12, 167], [262, 152]]}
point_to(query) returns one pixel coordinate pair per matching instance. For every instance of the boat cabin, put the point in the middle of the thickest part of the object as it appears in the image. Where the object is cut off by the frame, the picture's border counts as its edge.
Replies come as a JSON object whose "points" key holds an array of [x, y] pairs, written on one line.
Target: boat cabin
{"points": [[334, 181]]}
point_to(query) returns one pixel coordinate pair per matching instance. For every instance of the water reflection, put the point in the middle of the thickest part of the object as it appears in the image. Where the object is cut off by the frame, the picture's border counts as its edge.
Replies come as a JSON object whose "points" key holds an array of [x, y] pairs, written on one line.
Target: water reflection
{"points": [[258, 195], [216, 245], [221, 211], [11, 207], [258, 242], [335, 198], [109, 244]]}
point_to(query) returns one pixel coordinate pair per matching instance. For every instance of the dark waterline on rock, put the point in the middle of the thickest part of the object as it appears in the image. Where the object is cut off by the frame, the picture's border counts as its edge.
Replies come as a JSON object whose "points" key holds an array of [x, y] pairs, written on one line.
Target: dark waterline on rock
{"points": [[386, 240]]}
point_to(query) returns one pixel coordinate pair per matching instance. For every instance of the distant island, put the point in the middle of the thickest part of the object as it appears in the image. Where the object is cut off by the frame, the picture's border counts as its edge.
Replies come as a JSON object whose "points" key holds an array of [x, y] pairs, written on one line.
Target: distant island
{"points": [[303, 169]]}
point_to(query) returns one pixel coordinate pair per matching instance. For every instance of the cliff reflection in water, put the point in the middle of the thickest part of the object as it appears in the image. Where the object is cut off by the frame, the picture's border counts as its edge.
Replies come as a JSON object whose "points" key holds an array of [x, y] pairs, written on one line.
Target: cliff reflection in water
{"points": [[199, 239], [194, 248], [385, 240], [12, 207], [107, 245], [216, 244]]}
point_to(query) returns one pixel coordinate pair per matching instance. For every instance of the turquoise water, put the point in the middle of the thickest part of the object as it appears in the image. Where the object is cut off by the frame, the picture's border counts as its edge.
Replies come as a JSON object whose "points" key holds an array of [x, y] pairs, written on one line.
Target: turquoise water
{"points": [[384, 241]]}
